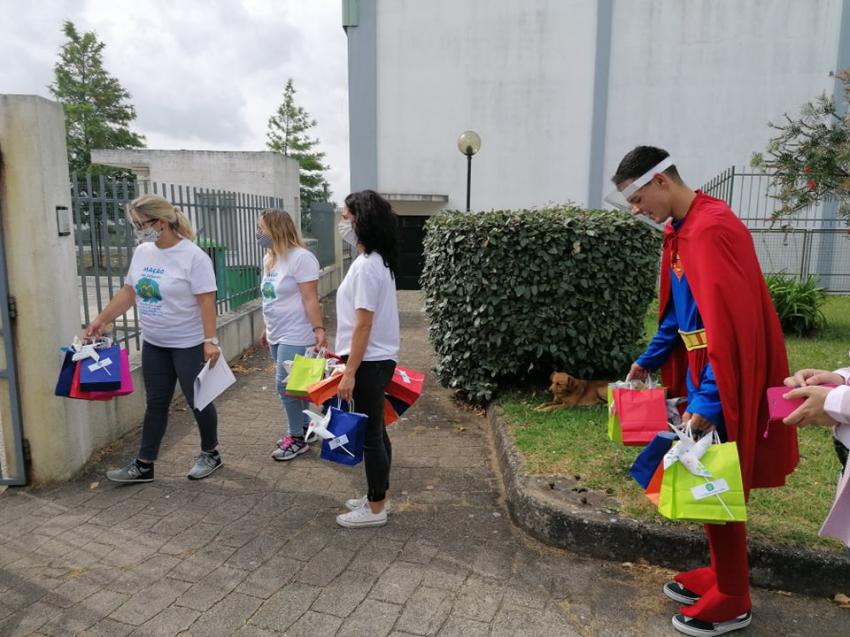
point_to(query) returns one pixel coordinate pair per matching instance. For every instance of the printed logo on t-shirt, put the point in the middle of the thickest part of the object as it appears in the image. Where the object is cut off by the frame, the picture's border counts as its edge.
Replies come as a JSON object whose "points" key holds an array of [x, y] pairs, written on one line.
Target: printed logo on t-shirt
{"points": [[268, 291], [147, 288]]}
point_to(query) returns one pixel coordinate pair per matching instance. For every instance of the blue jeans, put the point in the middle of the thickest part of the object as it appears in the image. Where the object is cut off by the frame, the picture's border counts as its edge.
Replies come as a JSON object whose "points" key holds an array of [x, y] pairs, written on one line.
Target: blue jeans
{"points": [[292, 406]]}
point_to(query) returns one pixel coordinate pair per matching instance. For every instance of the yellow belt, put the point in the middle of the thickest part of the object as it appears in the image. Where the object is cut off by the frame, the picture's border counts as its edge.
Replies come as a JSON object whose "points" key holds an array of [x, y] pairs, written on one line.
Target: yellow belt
{"points": [[694, 340]]}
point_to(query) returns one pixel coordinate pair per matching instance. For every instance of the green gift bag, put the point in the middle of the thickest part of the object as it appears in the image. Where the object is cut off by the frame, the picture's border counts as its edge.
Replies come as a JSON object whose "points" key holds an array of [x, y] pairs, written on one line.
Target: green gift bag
{"points": [[614, 431], [716, 499], [305, 372]]}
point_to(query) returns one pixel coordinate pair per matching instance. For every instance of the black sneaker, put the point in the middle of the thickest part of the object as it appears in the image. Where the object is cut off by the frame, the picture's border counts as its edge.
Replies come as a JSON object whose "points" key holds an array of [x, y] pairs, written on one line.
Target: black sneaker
{"points": [[133, 472], [680, 594], [699, 628]]}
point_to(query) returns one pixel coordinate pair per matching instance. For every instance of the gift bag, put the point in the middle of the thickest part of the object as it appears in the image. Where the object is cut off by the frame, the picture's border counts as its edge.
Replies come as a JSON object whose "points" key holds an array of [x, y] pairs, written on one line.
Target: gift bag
{"points": [[642, 413], [306, 371], [103, 374], [406, 385], [837, 523], [613, 422], [653, 489], [125, 388], [648, 460], [349, 434], [710, 491], [66, 375], [321, 392]]}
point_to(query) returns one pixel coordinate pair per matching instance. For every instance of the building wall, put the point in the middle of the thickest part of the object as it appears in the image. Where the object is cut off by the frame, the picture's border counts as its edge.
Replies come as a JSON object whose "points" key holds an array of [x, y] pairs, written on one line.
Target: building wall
{"points": [[701, 78], [257, 173]]}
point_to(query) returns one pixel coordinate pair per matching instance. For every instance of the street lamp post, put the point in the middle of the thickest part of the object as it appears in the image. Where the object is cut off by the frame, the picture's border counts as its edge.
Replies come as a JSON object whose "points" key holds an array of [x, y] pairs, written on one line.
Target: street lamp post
{"points": [[468, 143]]}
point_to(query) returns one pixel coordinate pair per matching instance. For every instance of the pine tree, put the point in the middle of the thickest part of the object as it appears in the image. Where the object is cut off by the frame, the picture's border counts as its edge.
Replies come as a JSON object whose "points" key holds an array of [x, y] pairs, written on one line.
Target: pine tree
{"points": [[288, 134], [97, 108]]}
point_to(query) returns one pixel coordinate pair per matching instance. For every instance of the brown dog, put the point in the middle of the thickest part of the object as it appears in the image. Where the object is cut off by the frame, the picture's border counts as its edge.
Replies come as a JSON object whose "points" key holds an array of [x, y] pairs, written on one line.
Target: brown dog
{"points": [[568, 392]]}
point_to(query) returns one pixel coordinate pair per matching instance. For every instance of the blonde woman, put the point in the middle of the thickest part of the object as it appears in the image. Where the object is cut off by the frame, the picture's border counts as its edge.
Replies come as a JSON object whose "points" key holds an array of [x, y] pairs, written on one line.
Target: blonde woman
{"points": [[173, 281], [292, 314]]}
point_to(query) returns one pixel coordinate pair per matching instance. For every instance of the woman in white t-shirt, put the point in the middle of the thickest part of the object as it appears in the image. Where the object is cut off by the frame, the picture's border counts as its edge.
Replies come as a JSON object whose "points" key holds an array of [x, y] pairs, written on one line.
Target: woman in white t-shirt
{"points": [[367, 335], [292, 314], [172, 282]]}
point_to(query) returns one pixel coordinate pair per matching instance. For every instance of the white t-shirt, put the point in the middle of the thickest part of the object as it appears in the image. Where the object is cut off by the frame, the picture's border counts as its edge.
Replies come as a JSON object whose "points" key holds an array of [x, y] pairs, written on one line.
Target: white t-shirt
{"points": [[368, 285], [283, 307], [166, 282]]}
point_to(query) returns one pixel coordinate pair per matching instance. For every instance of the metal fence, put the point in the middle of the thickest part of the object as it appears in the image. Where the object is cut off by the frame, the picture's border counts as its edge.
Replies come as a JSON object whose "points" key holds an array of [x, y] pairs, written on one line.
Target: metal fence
{"points": [[225, 223], [813, 241]]}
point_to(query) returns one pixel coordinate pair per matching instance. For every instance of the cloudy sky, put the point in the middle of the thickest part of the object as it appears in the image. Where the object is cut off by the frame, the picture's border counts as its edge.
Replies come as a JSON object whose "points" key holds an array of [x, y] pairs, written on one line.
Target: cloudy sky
{"points": [[203, 74]]}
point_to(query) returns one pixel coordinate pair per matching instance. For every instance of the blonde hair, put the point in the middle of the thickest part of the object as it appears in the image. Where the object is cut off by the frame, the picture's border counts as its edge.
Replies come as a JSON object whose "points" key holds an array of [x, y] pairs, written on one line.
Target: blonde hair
{"points": [[157, 207], [283, 233]]}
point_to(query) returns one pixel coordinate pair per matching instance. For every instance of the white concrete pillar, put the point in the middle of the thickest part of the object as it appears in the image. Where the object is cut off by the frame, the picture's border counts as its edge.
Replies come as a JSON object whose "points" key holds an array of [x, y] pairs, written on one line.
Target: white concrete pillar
{"points": [[43, 280]]}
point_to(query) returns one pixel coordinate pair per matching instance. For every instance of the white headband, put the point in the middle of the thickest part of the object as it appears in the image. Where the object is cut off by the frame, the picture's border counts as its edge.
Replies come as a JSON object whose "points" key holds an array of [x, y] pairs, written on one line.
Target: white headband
{"points": [[646, 177]]}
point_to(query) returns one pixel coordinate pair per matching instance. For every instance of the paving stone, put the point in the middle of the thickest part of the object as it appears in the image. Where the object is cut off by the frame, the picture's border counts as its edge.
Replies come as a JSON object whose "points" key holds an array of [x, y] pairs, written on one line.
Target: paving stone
{"points": [[225, 618], [108, 628], [518, 621], [397, 583], [325, 566], [28, 620], [460, 627], [169, 622], [425, 611], [478, 599], [284, 608], [344, 594], [313, 624], [202, 596], [150, 601], [256, 552], [371, 619]]}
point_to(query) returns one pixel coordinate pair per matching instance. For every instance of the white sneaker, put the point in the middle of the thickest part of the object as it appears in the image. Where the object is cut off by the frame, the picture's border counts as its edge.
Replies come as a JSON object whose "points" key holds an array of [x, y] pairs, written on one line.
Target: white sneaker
{"points": [[362, 517], [356, 503]]}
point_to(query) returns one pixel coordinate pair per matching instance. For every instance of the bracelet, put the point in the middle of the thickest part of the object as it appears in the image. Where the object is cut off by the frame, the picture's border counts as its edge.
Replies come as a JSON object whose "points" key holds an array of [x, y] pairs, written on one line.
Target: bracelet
{"points": [[319, 327]]}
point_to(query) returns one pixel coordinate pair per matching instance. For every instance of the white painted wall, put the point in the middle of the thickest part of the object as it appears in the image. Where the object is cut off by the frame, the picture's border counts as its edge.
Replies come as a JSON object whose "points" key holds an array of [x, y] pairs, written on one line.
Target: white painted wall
{"points": [[255, 173], [702, 78], [698, 77]]}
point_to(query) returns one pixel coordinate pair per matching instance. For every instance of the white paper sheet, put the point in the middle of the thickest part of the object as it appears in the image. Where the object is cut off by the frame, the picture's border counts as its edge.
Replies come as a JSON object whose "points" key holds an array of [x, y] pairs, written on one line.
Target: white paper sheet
{"points": [[210, 383]]}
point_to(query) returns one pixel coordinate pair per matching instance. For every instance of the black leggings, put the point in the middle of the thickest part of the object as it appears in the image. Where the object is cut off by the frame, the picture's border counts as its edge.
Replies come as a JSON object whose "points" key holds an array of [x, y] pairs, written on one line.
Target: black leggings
{"points": [[162, 367], [370, 382]]}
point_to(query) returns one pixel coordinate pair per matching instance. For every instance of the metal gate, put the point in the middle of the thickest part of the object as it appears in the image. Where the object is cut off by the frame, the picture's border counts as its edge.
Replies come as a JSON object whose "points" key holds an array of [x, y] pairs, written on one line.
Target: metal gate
{"points": [[12, 467]]}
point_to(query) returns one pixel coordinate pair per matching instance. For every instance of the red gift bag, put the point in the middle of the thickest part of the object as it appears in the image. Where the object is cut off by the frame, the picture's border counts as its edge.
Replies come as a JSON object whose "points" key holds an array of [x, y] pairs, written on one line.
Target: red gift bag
{"points": [[126, 383], [406, 385], [642, 413]]}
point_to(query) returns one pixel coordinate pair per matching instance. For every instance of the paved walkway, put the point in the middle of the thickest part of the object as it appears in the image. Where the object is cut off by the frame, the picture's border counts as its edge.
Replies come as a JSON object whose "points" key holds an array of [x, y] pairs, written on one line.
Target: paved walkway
{"points": [[254, 550]]}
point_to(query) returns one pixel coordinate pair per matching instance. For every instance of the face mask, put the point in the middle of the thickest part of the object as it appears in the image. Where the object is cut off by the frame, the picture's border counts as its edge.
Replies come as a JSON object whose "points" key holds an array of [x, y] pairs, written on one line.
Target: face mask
{"points": [[147, 235], [346, 231], [264, 240]]}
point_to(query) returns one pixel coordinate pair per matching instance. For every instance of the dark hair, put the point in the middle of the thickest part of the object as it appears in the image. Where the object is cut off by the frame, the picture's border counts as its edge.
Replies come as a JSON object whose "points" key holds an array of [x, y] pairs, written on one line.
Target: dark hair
{"points": [[376, 225], [641, 159]]}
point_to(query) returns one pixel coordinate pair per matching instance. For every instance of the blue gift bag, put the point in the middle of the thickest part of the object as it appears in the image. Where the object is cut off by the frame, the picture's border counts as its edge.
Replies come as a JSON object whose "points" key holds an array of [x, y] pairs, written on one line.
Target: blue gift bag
{"points": [[648, 460], [66, 375], [103, 374], [349, 430]]}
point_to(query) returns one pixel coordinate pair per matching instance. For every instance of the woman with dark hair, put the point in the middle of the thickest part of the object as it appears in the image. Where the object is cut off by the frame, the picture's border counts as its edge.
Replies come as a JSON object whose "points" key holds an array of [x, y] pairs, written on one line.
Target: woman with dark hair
{"points": [[367, 336]]}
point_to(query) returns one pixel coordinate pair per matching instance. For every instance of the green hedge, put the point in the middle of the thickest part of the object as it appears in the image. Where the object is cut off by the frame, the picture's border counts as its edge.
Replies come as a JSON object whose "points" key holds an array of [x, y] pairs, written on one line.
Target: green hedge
{"points": [[512, 293]]}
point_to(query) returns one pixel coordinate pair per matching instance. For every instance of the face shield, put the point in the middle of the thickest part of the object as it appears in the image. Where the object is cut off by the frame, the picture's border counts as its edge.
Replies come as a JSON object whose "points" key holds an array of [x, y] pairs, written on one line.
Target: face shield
{"points": [[619, 199]]}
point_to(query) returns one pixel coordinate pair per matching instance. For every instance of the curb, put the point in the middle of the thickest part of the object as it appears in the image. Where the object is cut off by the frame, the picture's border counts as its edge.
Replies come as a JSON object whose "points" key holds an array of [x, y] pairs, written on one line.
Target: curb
{"points": [[551, 511]]}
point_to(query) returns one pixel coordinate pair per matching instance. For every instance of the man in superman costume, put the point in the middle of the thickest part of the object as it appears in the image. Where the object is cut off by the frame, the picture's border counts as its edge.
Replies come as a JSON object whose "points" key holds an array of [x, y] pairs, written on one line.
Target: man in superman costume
{"points": [[720, 344]]}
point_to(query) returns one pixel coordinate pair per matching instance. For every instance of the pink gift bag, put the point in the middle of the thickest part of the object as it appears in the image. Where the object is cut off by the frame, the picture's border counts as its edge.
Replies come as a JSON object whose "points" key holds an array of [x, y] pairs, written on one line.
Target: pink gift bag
{"points": [[837, 523]]}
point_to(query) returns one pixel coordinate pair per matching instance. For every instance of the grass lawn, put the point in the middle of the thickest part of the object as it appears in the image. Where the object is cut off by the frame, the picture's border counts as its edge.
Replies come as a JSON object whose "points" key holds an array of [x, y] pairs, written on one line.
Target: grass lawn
{"points": [[575, 441]]}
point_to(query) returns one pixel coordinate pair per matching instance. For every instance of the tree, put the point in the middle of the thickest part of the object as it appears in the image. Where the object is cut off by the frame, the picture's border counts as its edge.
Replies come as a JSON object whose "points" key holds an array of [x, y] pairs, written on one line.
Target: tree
{"points": [[288, 134], [97, 108], [809, 158]]}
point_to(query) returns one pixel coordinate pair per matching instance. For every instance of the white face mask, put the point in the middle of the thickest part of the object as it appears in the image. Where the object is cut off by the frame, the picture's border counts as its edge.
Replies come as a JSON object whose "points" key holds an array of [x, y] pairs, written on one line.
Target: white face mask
{"points": [[147, 235], [346, 231]]}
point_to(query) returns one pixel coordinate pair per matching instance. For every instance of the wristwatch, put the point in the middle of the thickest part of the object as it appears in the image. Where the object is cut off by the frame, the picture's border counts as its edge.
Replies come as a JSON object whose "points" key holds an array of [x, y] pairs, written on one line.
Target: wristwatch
{"points": [[213, 340]]}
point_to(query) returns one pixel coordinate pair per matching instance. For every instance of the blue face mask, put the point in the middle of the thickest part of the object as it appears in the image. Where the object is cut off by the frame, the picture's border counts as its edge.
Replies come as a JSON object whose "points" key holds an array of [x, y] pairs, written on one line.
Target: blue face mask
{"points": [[264, 240]]}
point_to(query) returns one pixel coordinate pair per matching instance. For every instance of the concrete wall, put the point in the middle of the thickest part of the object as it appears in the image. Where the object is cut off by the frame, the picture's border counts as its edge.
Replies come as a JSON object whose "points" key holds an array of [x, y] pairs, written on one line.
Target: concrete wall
{"points": [[701, 78], [256, 173]]}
